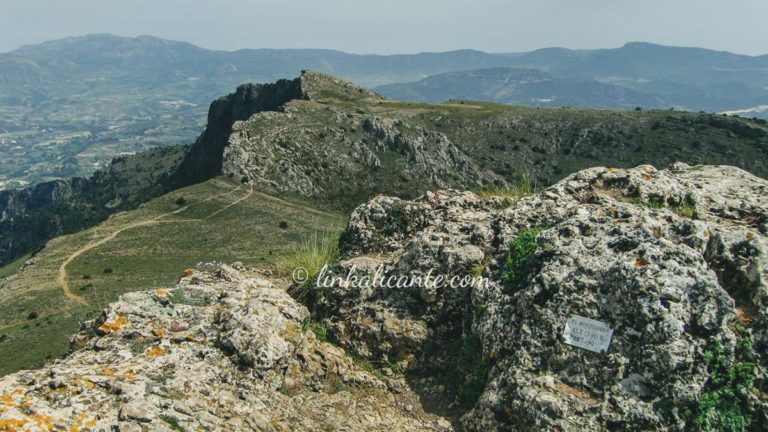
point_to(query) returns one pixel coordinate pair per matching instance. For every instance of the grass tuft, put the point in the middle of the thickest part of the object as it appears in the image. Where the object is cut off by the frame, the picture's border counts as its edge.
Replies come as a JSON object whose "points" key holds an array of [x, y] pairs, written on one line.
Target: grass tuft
{"points": [[172, 422], [319, 329], [686, 211], [511, 193], [311, 254]]}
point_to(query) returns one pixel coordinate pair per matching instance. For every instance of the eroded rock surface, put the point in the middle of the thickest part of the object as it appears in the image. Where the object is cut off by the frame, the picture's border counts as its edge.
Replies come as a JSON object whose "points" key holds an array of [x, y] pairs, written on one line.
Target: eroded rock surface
{"points": [[674, 261], [223, 351]]}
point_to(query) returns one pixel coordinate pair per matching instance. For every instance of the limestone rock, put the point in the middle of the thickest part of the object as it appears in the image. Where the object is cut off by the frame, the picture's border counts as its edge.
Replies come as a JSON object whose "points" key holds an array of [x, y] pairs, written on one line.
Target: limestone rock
{"points": [[223, 350], [674, 261]]}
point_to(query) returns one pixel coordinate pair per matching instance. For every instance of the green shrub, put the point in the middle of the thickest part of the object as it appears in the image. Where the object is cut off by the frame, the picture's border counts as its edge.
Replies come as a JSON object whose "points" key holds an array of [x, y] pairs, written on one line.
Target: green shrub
{"points": [[521, 250], [172, 422], [722, 405], [181, 201], [656, 202], [686, 211]]}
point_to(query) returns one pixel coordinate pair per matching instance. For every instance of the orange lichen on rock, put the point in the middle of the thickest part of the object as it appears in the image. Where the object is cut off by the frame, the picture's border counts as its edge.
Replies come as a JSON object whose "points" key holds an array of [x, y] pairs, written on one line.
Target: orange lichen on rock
{"points": [[8, 400], [155, 352], [82, 421], [158, 331], [641, 262], [12, 425], [162, 293], [42, 421], [646, 177], [112, 326], [86, 382], [187, 272], [107, 372], [129, 375]]}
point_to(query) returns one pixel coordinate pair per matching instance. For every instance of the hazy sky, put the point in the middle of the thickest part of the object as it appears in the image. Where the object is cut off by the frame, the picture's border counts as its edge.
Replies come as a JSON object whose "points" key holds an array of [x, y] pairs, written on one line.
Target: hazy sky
{"points": [[394, 26]]}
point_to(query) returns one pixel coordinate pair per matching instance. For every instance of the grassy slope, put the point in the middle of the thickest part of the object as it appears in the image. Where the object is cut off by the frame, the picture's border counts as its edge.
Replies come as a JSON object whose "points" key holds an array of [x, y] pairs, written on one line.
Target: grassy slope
{"points": [[142, 257], [12, 267], [554, 142]]}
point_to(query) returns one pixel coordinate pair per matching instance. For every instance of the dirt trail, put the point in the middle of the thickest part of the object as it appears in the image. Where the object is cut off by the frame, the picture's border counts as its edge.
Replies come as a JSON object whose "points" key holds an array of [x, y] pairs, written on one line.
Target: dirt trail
{"points": [[62, 276], [294, 205], [239, 200]]}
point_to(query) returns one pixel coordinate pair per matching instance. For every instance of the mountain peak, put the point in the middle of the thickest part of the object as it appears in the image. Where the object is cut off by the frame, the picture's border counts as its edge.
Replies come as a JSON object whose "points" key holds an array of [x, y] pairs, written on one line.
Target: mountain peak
{"points": [[316, 85], [642, 45]]}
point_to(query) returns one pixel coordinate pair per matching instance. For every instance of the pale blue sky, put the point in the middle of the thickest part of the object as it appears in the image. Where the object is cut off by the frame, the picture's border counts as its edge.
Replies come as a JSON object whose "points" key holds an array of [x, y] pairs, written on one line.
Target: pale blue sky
{"points": [[398, 26]]}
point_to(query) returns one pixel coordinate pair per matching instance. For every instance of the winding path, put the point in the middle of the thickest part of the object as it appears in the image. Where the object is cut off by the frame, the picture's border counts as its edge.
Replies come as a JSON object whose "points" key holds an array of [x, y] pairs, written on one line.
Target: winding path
{"points": [[62, 275]]}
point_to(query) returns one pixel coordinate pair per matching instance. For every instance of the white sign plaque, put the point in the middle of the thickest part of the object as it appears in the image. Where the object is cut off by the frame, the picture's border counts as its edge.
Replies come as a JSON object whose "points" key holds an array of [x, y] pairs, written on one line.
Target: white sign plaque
{"points": [[587, 334]]}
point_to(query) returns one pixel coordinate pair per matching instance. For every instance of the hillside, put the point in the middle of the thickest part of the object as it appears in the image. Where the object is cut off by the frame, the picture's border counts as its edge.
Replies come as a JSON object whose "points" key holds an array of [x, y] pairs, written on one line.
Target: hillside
{"points": [[690, 78], [303, 152], [617, 299], [67, 107], [75, 275], [310, 132]]}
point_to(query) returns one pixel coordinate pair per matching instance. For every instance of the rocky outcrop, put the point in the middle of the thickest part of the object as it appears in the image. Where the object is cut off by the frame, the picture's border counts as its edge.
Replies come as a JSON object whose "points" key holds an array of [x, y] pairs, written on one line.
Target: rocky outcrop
{"points": [[674, 261], [307, 151], [220, 351], [204, 159], [31, 217]]}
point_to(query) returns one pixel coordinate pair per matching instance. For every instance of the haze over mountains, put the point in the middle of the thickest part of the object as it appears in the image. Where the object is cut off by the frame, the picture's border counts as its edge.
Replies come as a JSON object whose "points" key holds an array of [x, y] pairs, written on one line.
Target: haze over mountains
{"points": [[670, 263], [68, 106]]}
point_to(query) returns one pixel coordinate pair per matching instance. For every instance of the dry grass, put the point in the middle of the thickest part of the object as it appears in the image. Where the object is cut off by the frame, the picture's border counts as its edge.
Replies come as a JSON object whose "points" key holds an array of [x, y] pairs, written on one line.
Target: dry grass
{"points": [[314, 252], [512, 192]]}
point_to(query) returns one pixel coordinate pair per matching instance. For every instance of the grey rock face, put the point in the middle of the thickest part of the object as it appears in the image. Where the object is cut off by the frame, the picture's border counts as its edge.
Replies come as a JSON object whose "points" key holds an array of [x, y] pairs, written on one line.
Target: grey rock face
{"points": [[223, 351], [306, 150], [673, 261]]}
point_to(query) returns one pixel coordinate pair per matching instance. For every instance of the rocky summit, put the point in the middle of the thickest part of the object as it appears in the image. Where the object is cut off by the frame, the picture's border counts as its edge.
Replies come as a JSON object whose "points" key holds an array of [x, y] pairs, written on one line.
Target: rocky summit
{"points": [[672, 261]]}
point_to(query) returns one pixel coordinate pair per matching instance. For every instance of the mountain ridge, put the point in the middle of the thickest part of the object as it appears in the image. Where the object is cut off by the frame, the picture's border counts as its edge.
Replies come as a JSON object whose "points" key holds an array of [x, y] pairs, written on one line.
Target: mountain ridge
{"points": [[68, 107], [353, 133]]}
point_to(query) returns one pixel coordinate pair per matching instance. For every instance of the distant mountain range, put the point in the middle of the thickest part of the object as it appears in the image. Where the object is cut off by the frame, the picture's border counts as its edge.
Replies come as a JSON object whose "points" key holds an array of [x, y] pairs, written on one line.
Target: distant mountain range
{"points": [[521, 86], [68, 106], [642, 74]]}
